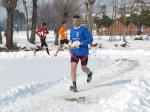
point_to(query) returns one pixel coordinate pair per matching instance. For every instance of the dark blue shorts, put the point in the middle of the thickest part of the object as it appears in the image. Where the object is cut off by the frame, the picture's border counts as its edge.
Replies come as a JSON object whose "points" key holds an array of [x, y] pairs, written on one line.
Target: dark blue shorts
{"points": [[83, 59]]}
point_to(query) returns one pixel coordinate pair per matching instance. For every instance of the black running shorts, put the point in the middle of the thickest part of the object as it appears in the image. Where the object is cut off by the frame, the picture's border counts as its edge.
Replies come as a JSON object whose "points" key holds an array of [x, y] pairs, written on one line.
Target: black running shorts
{"points": [[65, 41]]}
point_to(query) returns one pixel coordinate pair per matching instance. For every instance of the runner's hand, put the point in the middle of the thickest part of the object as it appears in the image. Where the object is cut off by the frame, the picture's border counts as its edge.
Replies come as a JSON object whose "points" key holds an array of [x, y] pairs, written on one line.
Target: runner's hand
{"points": [[75, 44]]}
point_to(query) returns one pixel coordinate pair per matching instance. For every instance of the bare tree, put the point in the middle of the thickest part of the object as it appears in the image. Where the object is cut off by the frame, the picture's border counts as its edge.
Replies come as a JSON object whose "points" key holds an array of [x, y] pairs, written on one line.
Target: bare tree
{"points": [[100, 7], [26, 19], [57, 11], [123, 12], [114, 17], [46, 13], [66, 8], [10, 6], [34, 21]]}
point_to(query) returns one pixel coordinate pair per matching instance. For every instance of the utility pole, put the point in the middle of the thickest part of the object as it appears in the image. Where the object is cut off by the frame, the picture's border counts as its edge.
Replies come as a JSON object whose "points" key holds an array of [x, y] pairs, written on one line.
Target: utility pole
{"points": [[124, 23], [89, 13]]}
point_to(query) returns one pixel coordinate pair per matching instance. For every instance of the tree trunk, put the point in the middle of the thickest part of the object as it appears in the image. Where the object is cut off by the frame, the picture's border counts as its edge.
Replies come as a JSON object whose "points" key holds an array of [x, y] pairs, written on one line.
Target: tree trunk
{"points": [[34, 21], [56, 39], [1, 38], [9, 38], [26, 19]]}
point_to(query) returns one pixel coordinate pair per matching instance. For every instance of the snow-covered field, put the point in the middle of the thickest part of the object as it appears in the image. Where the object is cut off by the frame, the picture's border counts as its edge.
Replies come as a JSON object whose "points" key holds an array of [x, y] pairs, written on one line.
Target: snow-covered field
{"points": [[40, 83]]}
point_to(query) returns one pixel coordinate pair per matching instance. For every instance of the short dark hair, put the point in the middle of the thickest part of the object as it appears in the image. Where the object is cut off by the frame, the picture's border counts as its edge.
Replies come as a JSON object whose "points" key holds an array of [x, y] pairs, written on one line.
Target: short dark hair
{"points": [[64, 22], [76, 17], [44, 24]]}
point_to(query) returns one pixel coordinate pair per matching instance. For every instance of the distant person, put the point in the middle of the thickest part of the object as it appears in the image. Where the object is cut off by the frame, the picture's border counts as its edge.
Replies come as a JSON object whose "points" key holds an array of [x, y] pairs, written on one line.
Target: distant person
{"points": [[62, 37], [139, 29], [42, 33]]}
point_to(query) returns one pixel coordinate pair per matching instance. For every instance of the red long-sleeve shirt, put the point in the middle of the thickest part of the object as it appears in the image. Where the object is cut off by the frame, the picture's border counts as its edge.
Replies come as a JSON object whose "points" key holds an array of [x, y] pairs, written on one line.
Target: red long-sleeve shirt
{"points": [[42, 32]]}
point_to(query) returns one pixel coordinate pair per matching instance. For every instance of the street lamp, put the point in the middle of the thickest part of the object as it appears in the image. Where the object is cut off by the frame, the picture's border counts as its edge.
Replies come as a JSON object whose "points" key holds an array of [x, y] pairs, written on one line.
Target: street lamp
{"points": [[89, 4], [139, 26], [125, 25], [128, 15]]}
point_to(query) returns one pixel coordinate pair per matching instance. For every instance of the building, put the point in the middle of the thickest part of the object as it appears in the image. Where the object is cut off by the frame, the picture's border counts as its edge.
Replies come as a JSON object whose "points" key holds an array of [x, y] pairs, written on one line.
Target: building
{"points": [[138, 6]]}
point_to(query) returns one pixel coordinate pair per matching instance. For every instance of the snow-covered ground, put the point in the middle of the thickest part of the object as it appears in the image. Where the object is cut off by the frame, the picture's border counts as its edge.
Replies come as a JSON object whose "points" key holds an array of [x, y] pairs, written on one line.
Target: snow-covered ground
{"points": [[40, 83]]}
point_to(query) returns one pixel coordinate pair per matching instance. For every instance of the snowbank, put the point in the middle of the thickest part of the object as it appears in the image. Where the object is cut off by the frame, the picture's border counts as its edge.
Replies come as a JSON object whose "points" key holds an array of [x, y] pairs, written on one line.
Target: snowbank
{"points": [[135, 97]]}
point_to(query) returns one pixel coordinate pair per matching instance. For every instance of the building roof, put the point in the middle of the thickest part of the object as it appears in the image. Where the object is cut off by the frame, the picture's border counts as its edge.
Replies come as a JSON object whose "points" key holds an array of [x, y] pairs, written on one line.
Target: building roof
{"points": [[140, 1]]}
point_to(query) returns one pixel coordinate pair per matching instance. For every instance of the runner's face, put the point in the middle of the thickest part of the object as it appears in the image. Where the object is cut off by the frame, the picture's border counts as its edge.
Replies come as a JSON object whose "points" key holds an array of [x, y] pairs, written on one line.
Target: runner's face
{"points": [[65, 25], [44, 26], [76, 22]]}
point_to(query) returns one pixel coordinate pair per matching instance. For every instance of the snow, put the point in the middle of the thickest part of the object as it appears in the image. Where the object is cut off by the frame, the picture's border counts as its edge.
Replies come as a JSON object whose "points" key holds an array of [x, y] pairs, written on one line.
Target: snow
{"points": [[41, 83]]}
